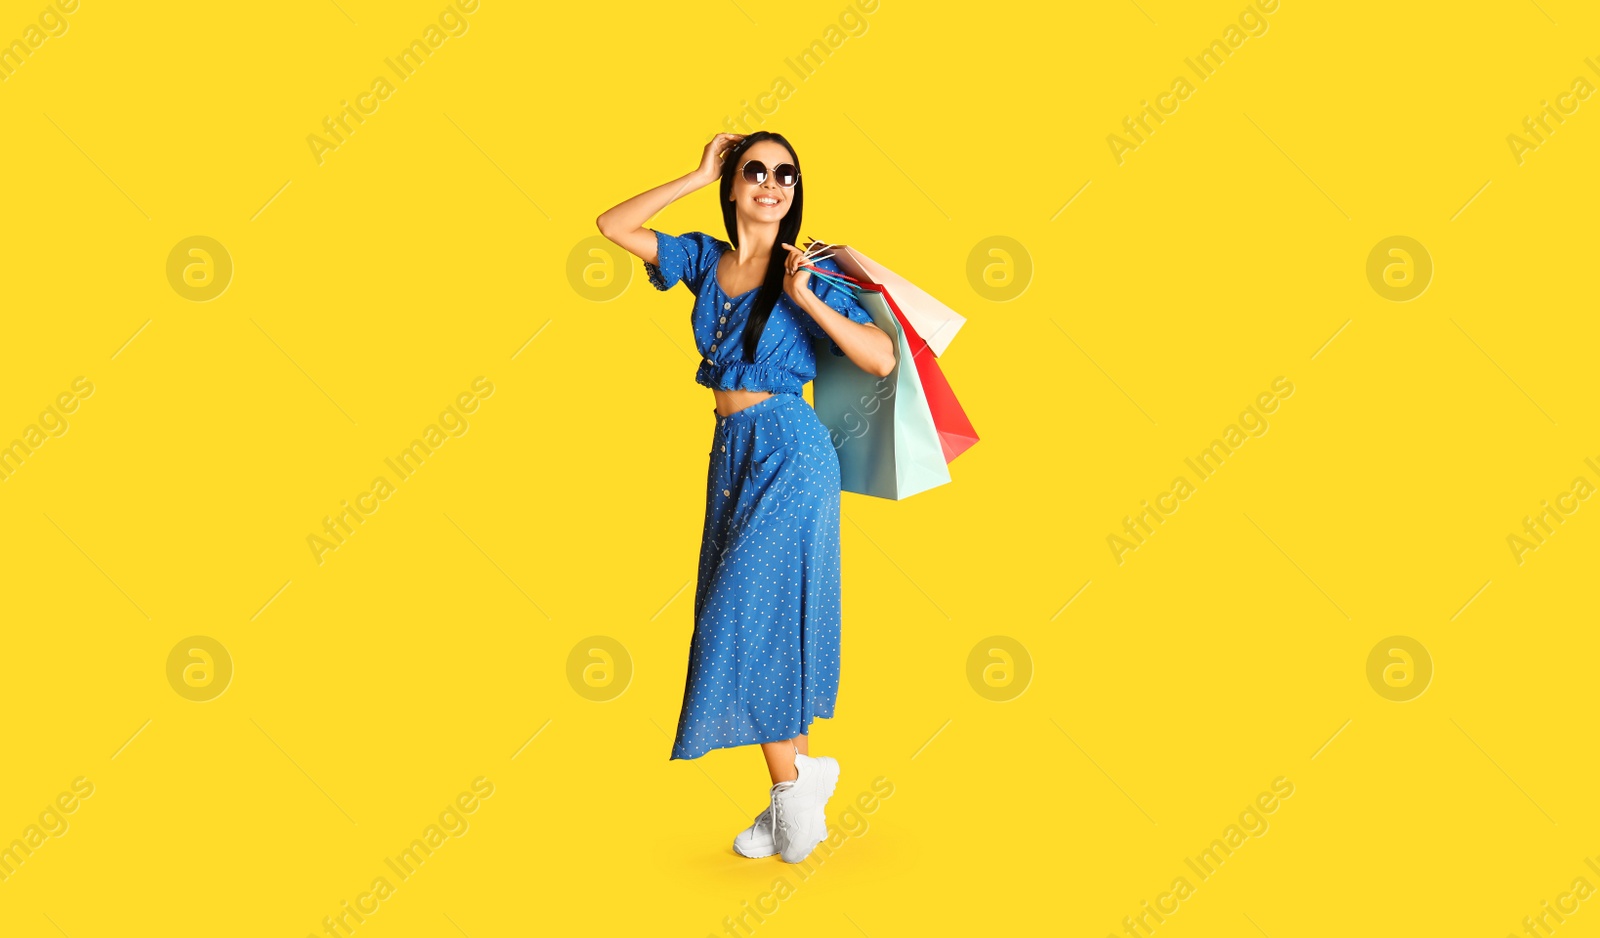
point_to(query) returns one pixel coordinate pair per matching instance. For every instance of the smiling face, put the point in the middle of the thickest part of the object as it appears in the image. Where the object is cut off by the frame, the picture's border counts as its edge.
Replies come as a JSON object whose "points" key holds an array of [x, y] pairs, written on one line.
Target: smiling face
{"points": [[765, 202]]}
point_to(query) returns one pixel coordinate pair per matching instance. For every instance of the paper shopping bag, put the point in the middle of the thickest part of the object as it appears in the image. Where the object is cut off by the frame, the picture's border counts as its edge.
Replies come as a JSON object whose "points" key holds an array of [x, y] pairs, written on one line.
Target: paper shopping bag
{"points": [[956, 433], [934, 321], [882, 428]]}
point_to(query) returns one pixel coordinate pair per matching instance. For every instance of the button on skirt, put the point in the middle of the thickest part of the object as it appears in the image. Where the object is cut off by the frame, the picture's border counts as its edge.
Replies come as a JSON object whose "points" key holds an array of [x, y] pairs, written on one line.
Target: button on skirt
{"points": [[764, 660]]}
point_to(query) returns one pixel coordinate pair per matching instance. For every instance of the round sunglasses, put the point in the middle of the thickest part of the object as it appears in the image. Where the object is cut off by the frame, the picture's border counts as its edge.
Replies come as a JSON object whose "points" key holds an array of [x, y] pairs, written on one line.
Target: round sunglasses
{"points": [[784, 174]]}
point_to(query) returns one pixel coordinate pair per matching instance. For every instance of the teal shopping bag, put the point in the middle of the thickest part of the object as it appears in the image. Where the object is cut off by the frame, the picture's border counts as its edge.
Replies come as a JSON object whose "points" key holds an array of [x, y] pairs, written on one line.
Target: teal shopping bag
{"points": [[882, 428]]}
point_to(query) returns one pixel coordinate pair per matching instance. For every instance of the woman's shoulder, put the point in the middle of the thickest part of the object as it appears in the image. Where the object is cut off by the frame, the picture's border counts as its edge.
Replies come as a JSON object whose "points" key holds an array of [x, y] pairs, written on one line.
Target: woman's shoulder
{"points": [[706, 241]]}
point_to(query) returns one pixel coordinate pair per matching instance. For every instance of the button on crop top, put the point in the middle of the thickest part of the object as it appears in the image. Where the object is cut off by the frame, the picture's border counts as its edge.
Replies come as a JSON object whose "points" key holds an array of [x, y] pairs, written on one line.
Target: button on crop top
{"points": [[785, 358]]}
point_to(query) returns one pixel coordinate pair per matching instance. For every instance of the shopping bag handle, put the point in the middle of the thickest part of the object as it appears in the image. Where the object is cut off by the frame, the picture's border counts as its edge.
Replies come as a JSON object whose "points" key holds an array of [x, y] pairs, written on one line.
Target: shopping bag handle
{"points": [[839, 279], [836, 273]]}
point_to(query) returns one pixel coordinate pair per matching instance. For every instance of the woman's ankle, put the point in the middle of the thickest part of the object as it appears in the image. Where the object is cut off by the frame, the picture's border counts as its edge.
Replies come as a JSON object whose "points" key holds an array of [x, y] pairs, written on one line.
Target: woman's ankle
{"points": [[782, 761]]}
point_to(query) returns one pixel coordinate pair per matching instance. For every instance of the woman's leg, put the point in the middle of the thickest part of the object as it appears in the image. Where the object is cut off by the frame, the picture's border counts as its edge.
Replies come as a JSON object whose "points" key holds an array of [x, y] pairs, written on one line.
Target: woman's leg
{"points": [[780, 757]]}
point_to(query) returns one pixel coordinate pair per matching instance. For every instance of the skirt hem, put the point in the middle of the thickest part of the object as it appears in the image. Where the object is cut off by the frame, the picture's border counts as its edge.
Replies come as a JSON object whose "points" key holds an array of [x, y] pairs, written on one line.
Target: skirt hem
{"points": [[805, 730]]}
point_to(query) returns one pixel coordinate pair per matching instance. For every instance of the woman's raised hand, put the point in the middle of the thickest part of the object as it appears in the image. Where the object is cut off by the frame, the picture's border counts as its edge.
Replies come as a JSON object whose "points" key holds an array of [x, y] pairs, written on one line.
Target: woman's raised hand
{"points": [[624, 223], [711, 159], [795, 277]]}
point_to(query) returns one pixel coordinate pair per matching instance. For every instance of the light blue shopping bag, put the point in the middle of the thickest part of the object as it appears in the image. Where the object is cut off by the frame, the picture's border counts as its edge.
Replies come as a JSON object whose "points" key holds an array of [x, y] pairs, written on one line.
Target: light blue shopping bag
{"points": [[882, 428]]}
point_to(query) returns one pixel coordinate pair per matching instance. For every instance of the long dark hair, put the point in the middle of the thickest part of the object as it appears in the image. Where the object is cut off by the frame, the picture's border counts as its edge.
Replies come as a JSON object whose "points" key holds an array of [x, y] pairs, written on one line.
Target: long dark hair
{"points": [[788, 233]]}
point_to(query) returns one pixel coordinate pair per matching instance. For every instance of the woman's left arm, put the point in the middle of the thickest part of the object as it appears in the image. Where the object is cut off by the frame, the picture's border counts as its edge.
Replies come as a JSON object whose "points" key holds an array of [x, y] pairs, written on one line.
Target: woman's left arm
{"points": [[869, 347]]}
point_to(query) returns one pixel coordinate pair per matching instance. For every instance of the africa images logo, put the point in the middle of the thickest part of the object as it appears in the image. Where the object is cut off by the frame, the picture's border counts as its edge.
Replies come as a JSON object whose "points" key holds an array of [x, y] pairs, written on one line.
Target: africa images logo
{"points": [[338, 526], [405, 63], [1139, 527]]}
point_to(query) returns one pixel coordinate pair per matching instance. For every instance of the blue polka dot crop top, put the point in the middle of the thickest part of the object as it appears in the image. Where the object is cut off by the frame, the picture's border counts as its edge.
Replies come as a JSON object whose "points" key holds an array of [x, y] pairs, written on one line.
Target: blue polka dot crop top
{"points": [[785, 358]]}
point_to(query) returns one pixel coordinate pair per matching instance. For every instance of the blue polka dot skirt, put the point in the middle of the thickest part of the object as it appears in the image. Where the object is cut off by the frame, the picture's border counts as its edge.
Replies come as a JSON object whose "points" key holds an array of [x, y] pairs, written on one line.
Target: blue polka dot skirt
{"points": [[764, 661]]}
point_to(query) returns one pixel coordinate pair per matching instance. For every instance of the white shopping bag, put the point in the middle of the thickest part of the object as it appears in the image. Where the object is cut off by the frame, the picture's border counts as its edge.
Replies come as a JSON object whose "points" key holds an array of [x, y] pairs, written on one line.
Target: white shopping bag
{"points": [[934, 321]]}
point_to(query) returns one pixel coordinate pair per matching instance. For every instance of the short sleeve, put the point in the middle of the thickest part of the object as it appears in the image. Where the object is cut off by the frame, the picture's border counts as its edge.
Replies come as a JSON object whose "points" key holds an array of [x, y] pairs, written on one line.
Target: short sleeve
{"points": [[684, 257], [838, 298]]}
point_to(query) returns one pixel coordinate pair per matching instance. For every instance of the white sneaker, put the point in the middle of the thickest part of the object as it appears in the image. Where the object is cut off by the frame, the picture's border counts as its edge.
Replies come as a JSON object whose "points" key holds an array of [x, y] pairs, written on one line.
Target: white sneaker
{"points": [[756, 840], [798, 819]]}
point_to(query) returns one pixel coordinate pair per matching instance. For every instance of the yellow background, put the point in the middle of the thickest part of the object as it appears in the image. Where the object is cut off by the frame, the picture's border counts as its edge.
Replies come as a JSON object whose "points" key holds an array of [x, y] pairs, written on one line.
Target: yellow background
{"points": [[429, 649]]}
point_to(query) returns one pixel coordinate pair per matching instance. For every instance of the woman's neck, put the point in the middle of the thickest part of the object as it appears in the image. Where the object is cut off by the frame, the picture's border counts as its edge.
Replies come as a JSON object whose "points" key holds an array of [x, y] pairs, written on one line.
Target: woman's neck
{"points": [[757, 241]]}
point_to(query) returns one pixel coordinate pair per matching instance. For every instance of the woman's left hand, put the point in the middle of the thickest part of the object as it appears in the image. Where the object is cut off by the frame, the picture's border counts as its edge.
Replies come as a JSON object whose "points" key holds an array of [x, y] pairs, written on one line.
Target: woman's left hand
{"points": [[795, 279]]}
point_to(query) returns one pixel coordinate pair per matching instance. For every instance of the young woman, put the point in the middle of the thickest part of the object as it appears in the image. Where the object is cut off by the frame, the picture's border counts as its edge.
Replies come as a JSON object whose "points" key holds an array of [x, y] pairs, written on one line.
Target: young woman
{"points": [[764, 660]]}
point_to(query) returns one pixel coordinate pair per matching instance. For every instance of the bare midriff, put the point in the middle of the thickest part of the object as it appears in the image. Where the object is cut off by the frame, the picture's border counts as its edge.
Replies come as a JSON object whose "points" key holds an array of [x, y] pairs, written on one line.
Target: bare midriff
{"points": [[731, 402]]}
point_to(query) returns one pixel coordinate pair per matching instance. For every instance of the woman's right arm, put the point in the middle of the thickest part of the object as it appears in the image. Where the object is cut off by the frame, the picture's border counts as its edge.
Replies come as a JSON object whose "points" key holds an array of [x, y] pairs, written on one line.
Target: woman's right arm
{"points": [[624, 223]]}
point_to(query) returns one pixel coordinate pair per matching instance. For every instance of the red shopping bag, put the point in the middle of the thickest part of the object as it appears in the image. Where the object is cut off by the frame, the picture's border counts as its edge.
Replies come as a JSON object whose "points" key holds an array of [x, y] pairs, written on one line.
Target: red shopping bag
{"points": [[956, 433]]}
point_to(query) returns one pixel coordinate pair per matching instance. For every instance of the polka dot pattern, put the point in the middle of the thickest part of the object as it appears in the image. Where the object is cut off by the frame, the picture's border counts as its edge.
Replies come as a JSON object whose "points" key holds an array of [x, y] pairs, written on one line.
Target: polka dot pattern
{"points": [[764, 660], [785, 357]]}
